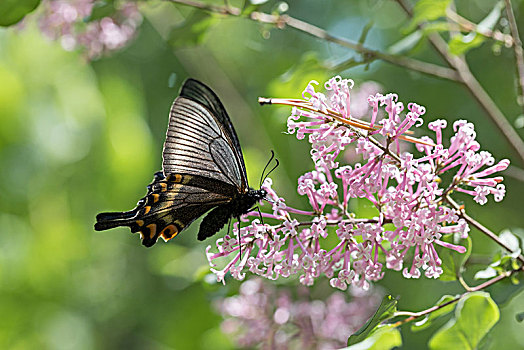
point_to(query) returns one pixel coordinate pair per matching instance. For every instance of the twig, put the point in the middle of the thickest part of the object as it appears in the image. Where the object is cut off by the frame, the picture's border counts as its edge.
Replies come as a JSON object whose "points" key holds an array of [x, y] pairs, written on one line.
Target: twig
{"points": [[460, 71], [481, 227], [519, 54], [352, 123], [415, 315], [460, 278], [474, 87], [466, 25], [281, 21]]}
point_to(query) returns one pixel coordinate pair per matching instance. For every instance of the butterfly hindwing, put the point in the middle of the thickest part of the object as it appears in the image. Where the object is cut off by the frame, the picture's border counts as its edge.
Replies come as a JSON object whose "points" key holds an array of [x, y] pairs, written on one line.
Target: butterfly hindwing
{"points": [[171, 204]]}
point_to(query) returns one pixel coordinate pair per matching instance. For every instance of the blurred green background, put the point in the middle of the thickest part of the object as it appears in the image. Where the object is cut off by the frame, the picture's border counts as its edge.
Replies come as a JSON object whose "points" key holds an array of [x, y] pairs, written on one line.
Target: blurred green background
{"points": [[78, 138]]}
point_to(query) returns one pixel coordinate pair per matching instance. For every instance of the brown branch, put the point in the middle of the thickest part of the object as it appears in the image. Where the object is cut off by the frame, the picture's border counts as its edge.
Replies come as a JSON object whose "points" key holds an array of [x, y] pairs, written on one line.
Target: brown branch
{"points": [[468, 26], [474, 87], [281, 21], [519, 54], [460, 71]]}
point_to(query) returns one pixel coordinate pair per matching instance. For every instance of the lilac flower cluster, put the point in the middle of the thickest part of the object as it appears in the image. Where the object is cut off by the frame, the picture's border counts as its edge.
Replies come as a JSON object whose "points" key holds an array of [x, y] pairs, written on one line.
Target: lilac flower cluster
{"points": [[412, 202], [70, 22], [270, 318]]}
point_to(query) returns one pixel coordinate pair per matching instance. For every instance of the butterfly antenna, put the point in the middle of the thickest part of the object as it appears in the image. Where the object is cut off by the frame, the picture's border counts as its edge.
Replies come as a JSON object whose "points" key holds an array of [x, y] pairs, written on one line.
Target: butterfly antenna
{"points": [[267, 164], [269, 172]]}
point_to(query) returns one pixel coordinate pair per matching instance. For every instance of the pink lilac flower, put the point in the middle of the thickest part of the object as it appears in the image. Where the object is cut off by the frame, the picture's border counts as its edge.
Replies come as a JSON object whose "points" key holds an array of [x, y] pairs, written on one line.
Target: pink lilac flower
{"points": [[70, 23], [264, 316], [406, 189]]}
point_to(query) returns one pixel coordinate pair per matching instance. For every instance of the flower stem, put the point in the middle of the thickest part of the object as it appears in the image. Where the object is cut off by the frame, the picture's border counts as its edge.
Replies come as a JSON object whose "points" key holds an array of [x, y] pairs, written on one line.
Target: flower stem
{"points": [[481, 227]]}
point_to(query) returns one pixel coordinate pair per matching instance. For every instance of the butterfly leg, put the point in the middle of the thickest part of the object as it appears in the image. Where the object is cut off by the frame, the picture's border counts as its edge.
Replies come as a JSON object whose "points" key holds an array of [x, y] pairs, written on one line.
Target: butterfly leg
{"points": [[238, 237], [262, 221]]}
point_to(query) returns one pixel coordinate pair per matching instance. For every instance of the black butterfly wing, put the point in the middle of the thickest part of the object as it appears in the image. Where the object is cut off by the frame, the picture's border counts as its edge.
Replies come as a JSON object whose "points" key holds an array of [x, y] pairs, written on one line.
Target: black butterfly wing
{"points": [[203, 168], [171, 204], [201, 139]]}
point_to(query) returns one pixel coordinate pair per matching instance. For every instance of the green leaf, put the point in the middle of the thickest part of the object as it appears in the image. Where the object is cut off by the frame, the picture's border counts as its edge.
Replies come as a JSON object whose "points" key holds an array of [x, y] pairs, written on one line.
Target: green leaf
{"points": [[385, 311], [384, 338], [437, 26], [503, 264], [406, 43], [410, 42], [12, 11], [426, 321], [427, 10], [475, 315], [461, 44], [489, 272], [452, 261], [511, 241], [192, 31], [489, 22]]}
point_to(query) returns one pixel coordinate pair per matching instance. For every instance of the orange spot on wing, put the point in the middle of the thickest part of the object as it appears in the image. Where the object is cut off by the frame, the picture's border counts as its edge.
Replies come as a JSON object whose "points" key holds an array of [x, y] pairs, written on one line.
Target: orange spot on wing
{"points": [[139, 222], [169, 232], [156, 197], [147, 209], [152, 230], [164, 186]]}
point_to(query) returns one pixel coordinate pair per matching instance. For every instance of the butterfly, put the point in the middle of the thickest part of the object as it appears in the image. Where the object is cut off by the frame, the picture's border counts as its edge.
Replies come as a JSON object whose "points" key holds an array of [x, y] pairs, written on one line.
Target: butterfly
{"points": [[202, 170]]}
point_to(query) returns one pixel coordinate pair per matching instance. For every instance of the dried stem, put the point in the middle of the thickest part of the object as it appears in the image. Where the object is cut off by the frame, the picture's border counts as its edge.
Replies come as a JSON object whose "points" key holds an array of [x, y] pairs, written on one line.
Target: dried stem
{"points": [[352, 123]]}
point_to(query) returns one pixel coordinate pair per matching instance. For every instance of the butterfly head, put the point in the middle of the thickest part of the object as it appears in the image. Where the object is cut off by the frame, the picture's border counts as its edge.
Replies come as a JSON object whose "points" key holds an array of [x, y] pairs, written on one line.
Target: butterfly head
{"points": [[257, 195]]}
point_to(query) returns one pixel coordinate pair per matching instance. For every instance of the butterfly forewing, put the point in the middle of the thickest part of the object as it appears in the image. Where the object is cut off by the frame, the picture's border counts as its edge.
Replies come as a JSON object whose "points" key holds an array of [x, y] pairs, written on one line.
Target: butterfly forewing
{"points": [[198, 92], [196, 144]]}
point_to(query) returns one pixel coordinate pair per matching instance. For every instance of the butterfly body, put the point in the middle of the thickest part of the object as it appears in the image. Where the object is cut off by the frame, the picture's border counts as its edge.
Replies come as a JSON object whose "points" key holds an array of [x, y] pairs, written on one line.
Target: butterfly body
{"points": [[203, 170], [217, 218]]}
